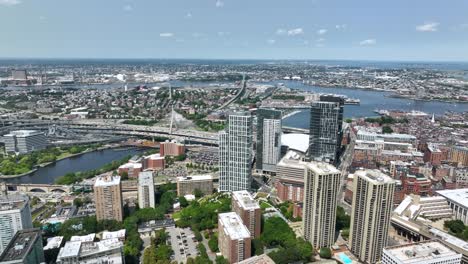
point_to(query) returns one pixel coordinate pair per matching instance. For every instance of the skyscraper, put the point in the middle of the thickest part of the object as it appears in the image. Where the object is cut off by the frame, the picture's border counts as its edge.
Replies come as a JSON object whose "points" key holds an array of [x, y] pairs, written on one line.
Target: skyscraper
{"points": [[321, 187], [15, 215], [371, 213], [326, 121], [235, 153], [108, 198], [24, 248], [268, 139], [146, 189]]}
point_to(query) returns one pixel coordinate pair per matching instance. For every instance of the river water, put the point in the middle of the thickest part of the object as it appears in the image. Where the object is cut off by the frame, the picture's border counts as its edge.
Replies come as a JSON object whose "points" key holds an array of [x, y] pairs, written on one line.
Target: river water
{"points": [[88, 161], [370, 100]]}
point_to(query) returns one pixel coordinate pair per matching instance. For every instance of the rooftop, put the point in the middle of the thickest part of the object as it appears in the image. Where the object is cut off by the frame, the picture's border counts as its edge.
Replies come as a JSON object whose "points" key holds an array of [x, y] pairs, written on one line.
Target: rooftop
{"points": [[54, 242], [375, 176], [85, 238], [116, 234], [459, 196], [75, 249], [245, 199], [21, 244], [154, 156], [130, 165], [195, 178], [13, 201], [421, 252], [296, 141], [24, 133], [108, 180], [145, 178], [233, 226]]}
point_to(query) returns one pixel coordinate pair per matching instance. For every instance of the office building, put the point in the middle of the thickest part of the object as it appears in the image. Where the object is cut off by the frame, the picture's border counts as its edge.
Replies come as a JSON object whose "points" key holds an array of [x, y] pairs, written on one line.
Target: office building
{"points": [[326, 121], [235, 153], [233, 238], [249, 211], [15, 215], [24, 248], [105, 251], [108, 198], [188, 184], [171, 148], [268, 145], [426, 252], [146, 190], [370, 218], [458, 201], [321, 187], [24, 141]]}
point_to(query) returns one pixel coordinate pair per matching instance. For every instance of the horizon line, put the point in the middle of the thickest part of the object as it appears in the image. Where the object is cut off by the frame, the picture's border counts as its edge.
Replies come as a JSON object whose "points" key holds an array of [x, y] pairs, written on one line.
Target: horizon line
{"points": [[231, 59]]}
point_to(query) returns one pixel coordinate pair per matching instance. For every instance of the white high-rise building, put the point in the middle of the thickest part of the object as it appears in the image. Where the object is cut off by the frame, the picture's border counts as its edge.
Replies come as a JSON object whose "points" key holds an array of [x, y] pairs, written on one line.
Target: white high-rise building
{"points": [[425, 252], [24, 141], [15, 215], [321, 187], [146, 189], [268, 146], [370, 218], [235, 153]]}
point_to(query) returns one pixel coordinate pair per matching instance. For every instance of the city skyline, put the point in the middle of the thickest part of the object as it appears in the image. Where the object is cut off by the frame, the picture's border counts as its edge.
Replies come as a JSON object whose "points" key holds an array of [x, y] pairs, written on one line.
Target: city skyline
{"points": [[362, 30]]}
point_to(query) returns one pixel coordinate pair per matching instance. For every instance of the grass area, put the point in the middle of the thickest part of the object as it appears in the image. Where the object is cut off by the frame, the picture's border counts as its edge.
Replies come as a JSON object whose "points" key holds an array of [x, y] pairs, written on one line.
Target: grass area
{"points": [[176, 215], [264, 205]]}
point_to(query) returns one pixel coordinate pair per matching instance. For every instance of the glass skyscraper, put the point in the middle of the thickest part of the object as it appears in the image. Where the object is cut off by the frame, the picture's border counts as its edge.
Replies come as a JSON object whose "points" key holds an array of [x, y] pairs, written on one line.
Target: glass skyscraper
{"points": [[268, 139], [235, 153], [326, 121]]}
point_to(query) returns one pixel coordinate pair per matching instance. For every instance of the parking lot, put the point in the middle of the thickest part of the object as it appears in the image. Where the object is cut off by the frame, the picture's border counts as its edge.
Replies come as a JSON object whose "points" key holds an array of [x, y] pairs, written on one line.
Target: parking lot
{"points": [[183, 243]]}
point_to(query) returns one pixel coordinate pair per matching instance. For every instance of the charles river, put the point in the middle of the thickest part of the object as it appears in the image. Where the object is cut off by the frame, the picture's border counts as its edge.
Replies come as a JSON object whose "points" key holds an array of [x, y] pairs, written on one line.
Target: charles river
{"points": [[370, 101]]}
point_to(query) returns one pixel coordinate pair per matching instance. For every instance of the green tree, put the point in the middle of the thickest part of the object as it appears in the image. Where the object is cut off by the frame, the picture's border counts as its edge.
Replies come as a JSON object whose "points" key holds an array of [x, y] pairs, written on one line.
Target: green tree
{"points": [[325, 253], [387, 130], [257, 246]]}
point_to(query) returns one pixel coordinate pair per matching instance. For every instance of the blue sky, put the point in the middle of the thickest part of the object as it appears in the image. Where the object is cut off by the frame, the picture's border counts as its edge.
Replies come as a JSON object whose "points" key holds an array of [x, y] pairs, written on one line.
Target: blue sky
{"points": [[236, 29]]}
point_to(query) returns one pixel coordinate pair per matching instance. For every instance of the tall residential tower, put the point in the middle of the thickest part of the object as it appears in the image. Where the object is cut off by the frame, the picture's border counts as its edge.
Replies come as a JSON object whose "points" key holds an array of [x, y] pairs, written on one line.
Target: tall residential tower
{"points": [[108, 198], [370, 218], [235, 153], [321, 187], [15, 215], [268, 139], [326, 121], [146, 190]]}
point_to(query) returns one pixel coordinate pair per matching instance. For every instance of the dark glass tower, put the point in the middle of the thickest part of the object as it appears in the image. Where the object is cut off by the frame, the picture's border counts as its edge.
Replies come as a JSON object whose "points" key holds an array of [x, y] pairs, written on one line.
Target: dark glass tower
{"points": [[326, 121]]}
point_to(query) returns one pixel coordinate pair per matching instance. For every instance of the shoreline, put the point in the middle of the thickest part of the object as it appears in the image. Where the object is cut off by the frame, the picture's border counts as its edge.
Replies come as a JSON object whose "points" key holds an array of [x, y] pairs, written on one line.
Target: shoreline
{"points": [[43, 165]]}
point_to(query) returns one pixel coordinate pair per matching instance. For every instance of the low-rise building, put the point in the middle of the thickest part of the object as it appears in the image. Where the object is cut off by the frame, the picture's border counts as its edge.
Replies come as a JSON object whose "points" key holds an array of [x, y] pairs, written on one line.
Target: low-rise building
{"points": [[234, 238], [261, 259], [105, 251], [24, 141], [154, 162], [171, 148], [426, 252], [119, 234], [188, 184], [458, 201], [132, 169]]}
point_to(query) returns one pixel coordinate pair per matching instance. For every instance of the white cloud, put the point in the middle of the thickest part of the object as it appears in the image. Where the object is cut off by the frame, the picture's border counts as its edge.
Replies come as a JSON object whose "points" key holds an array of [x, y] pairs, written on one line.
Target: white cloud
{"points": [[128, 8], [42, 18], [322, 31], [223, 33], [219, 3], [166, 35], [320, 40], [295, 31], [281, 31], [271, 41], [10, 2], [197, 34], [188, 15], [428, 27], [341, 27], [368, 42]]}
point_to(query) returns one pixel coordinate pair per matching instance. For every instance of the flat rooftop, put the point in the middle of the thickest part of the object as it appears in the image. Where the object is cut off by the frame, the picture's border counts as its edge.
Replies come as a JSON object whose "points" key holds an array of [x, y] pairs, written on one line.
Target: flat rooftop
{"points": [[85, 238], [296, 141], [233, 226], [245, 199], [205, 177], [13, 201], [107, 180], [21, 244], [24, 133], [116, 234], [374, 176], [459, 196], [54, 242], [421, 252], [145, 178]]}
